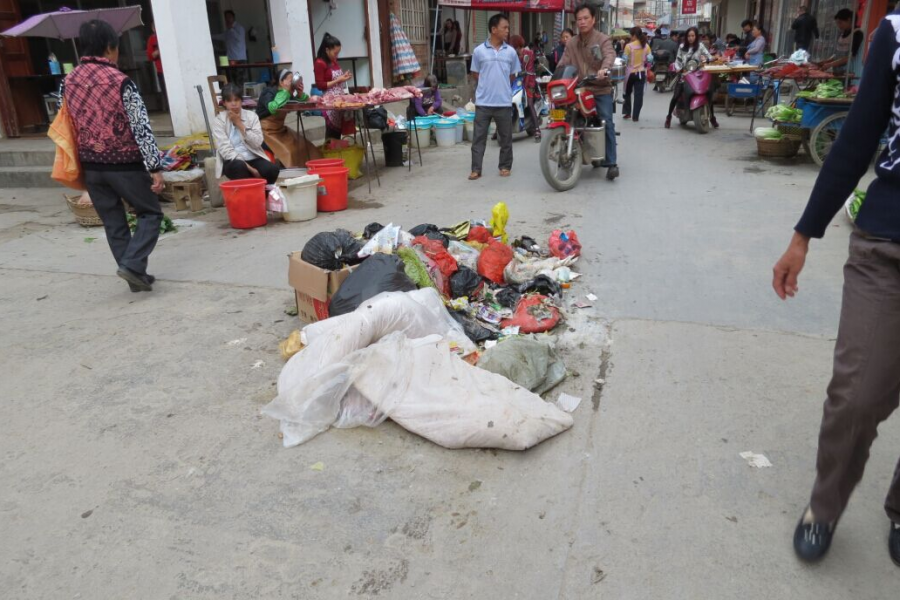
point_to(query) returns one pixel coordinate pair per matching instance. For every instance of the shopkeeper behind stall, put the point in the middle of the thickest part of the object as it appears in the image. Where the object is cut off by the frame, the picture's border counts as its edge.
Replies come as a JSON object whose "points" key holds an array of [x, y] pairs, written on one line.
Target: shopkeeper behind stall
{"points": [[332, 81], [429, 103], [291, 148], [239, 140], [848, 54]]}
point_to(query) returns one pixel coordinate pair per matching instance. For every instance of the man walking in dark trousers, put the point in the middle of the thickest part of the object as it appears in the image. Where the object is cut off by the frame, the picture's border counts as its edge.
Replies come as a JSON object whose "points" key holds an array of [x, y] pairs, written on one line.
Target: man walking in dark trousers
{"points": [[494, 63], [865, 385], [805, 28]]}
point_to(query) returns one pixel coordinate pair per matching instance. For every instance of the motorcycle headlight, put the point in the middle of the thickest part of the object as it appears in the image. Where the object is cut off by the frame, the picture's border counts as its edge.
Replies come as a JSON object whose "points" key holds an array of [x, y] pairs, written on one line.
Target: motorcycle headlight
{"points": [[558, 92]]}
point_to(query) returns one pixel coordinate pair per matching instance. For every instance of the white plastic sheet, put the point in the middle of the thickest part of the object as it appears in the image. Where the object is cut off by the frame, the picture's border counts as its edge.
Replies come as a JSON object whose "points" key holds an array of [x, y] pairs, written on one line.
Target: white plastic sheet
{"points": [[392, 358], [314, 382]]}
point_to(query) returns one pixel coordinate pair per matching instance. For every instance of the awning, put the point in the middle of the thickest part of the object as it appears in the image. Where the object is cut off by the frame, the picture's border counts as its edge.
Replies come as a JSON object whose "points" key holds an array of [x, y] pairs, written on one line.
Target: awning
{"points": [[524, 6]]}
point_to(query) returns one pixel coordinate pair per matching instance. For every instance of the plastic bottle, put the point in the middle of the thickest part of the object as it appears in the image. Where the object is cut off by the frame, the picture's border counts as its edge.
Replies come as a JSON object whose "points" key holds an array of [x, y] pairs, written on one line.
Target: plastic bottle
{"points": [[54, 65]]}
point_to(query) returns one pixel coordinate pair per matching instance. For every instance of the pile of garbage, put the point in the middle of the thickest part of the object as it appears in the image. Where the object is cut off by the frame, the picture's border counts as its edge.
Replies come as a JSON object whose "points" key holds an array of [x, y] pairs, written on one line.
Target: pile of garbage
{"points": [[444, 330]]}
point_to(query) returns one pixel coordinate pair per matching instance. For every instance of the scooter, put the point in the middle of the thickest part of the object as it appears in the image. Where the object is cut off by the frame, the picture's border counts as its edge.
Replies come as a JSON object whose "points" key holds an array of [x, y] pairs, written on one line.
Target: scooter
{"points": [[694, 103], [663, 71], [521, 116]]}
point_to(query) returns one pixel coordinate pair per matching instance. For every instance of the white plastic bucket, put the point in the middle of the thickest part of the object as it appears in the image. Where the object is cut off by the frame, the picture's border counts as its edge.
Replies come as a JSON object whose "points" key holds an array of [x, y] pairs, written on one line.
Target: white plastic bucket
{"points": [[470, 130], [423, 138], [460, 126], [445, 133], [301, 199]]}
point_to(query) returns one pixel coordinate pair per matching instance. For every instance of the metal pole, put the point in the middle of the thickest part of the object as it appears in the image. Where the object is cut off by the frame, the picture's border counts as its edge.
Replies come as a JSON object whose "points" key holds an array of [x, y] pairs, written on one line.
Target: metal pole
{"points": [[212, 142], [437, 15]]}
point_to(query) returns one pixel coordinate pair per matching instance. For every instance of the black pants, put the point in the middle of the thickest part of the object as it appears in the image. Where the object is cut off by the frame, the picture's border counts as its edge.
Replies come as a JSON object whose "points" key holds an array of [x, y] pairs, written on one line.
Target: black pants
{"points": [[635, 85], [502, 116], [237, 169], [108, 189]]}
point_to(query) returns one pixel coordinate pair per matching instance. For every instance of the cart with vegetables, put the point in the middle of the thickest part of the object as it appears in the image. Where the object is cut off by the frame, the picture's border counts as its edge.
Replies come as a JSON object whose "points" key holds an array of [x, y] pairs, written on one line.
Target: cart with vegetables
{"points": [[821, 122]]}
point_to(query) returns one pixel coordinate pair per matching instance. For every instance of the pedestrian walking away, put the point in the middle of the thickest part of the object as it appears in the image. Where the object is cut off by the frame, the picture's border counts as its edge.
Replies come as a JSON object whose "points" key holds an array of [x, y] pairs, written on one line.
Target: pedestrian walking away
{"points": [[805, 28], [637, 53], [865, 385], [592, 53], [120, 163], [494, 63]]}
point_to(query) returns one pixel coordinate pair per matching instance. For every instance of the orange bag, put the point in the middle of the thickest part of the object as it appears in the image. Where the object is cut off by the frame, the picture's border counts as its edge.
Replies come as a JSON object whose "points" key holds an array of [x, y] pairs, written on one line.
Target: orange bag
{"points": [[66, 168]]}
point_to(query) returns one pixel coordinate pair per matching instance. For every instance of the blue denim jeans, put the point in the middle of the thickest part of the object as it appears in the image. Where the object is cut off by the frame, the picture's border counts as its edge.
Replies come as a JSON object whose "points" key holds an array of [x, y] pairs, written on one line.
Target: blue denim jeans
{"points": [[605, 111]]}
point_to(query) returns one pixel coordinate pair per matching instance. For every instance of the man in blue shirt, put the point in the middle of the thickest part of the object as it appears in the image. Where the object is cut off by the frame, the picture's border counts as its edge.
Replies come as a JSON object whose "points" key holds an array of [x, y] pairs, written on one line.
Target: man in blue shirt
{"points": [[493, 65]]}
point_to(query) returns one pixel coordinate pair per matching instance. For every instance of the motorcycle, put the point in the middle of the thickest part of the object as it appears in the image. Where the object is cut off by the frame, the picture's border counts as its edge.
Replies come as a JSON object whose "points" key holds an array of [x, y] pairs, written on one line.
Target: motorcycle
{"points": [[575, 136], [521, 116], [694, 103], [663, 71]]}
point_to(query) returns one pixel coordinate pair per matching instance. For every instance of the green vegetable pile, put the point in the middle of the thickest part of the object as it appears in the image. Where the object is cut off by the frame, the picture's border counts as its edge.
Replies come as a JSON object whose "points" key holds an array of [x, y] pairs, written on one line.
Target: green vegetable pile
{"points": [[165, 227], [767, 133], [833, 88], [854, 203], [784, 114]]}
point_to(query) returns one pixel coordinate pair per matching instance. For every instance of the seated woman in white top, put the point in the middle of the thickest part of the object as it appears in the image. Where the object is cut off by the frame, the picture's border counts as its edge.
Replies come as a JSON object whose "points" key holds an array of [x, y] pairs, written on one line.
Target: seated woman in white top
{"points": [[239, 139]]}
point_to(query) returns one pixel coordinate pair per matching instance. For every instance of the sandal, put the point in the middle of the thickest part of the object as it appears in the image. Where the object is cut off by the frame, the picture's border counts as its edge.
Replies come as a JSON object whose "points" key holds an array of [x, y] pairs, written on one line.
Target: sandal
{"points": [[505, 172], [474, 175]]}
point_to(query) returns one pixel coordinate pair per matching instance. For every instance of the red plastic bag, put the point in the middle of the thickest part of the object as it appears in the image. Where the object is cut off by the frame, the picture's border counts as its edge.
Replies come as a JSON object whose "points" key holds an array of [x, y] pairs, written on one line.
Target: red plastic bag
{"points": [[446, 264], [480, 234], [533, 315], [493, 260], [563, 245]]}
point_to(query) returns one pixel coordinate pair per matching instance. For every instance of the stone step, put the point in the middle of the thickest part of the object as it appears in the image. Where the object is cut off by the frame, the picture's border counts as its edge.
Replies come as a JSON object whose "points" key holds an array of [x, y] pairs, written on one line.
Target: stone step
{"points": [[27, 177], [30, 158]]}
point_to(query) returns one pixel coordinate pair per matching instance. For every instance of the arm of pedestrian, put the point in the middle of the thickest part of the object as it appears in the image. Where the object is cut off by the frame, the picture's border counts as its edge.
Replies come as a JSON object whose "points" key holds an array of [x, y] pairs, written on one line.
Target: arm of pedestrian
{"points": [[139, 121], [787, 270], [852, 151]]}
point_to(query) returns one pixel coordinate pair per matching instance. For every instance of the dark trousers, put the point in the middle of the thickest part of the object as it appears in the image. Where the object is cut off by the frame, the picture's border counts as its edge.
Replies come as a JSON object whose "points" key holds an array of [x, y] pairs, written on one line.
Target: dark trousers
{"points": [[635, 85], [535, 119], [503, 118], [108, 189], [605, 111], [237, 169], [865, 386]]}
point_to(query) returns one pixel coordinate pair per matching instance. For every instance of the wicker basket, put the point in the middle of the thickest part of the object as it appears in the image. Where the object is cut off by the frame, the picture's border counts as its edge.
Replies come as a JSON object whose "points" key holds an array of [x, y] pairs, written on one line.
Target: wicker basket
{"points": [[790, 129], [85, 214], [786, 147]]}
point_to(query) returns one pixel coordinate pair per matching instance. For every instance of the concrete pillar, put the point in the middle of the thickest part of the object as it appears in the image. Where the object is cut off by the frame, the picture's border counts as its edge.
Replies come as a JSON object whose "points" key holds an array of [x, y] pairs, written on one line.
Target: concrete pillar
{"points": [[300, 42], [375, 42], [185, 46]]}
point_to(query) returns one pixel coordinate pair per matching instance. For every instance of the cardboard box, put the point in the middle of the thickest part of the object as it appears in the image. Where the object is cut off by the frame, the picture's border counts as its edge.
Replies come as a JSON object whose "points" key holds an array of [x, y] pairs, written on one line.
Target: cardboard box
{"points": [[313, 287]]}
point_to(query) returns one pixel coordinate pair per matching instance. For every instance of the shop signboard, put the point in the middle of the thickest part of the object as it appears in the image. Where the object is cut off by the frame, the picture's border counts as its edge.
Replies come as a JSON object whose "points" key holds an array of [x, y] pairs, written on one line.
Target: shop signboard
{"points": [[514, 5], [689, 7]]}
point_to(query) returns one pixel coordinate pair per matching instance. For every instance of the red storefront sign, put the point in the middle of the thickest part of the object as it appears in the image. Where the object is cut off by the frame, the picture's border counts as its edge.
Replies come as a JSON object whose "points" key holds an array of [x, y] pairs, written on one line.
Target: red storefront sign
{"points": [[689, 7], [513, 5]]}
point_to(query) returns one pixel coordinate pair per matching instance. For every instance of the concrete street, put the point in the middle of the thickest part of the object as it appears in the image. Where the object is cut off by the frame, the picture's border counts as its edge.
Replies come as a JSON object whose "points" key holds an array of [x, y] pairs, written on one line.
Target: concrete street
{"points": [[135, 463]]}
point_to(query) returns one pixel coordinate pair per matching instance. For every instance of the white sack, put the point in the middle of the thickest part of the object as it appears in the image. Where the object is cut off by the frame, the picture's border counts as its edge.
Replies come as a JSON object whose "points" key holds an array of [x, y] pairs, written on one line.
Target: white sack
{"points": [[426, 389], [314, 381]]}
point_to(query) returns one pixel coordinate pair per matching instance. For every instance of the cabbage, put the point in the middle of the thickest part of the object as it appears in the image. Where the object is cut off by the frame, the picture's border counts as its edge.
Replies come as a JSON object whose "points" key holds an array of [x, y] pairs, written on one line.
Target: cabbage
{"points": [[784, 114], [767, 133]]}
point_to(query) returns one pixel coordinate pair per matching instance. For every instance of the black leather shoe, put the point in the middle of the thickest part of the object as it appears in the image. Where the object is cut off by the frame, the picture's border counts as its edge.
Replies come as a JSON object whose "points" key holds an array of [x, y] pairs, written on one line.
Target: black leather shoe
{"points": [[612, 172], [135, 281], [894, 543], [812, 540]]}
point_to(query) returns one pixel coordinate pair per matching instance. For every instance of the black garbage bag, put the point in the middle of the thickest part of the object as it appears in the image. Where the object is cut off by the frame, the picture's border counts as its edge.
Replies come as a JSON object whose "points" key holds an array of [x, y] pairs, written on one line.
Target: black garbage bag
{"points": [[507, 297], [371, 229], [437, 235], [379, 273], [472, 328], [465, 282], [331, 250], [423, 229], [542, 284], [527, 243], [376, 118]]}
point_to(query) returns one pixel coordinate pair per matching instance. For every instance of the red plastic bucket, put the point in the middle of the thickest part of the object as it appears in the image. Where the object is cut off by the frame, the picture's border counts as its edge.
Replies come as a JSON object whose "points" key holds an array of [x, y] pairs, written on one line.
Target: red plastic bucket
{"points": [[245, 201], [334, 180], [324, 162]]}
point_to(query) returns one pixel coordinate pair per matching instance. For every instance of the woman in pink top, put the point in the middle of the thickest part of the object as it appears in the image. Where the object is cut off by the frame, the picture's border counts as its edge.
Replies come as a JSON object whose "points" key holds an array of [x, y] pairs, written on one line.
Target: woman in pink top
{"points": [[636, 53]]}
